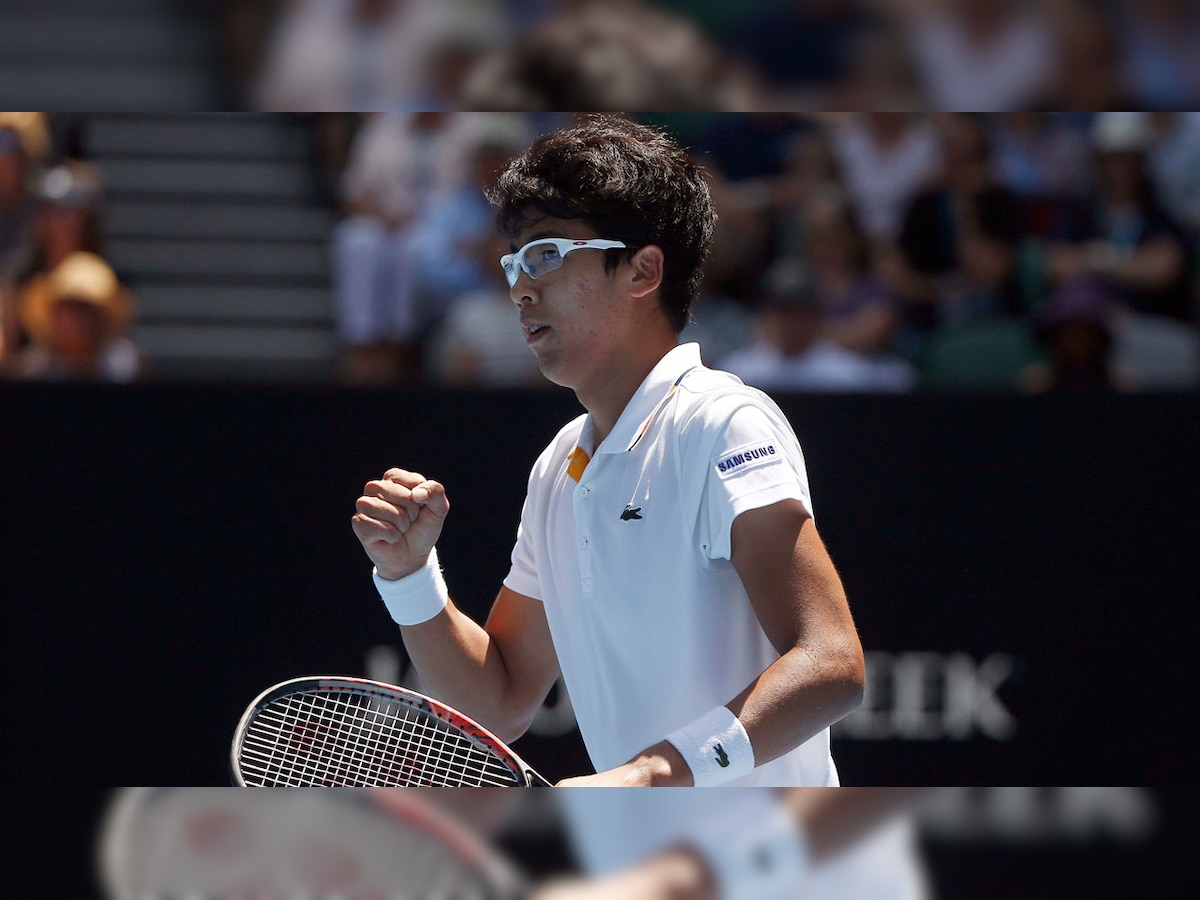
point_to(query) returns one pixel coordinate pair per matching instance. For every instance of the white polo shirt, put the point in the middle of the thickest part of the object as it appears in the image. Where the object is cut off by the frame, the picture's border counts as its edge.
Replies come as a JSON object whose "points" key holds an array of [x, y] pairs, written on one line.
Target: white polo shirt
{"points": [[628, 546]]}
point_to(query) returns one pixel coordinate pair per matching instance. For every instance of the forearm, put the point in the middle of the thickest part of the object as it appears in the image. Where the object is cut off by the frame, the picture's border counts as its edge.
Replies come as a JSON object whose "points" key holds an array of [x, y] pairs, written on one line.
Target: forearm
{"points": [[797, 696], [461, 664]]}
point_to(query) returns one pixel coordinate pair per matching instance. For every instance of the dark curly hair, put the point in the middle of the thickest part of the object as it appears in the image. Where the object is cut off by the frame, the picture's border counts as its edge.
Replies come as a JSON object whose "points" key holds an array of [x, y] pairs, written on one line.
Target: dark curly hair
{"points": [[628, 182]]}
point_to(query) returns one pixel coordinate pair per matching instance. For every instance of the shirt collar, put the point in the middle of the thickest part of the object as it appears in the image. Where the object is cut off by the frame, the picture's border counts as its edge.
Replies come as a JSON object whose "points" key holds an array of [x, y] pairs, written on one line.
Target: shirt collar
{"points": [[645, 400]]}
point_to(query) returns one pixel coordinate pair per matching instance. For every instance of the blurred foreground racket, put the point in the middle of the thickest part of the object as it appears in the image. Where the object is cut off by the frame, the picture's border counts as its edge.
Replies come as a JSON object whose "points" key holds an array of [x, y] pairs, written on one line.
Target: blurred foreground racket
{"points": [[351, 732], [202, 843]]}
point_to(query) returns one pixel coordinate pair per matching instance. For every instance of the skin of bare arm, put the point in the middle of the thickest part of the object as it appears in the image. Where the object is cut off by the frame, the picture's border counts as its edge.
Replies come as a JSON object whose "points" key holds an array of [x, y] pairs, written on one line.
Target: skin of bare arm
{"points": [[801, 605], [497, 674]]}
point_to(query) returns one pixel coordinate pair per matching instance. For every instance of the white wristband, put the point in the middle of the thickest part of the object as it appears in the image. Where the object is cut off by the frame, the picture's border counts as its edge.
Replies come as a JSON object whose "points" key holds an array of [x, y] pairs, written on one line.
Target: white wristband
{"points": [[756, 850], [415, 598], [716, 748]]}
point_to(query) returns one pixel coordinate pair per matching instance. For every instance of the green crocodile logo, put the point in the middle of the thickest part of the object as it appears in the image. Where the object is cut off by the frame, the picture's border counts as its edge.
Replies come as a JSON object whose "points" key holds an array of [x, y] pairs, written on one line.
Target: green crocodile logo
{"points": [[722, 757], [631, 513]]}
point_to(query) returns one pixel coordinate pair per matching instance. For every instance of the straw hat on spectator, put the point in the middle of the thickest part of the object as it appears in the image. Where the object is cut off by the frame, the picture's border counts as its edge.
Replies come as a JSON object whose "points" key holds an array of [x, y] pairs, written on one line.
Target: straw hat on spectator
{"points": [[82, 277], [31, 130]]}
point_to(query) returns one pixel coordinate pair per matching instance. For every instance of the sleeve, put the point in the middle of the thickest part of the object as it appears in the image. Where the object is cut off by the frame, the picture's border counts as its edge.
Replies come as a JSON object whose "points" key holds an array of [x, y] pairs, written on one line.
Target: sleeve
{"points": [[523, 574], [754, 462]]}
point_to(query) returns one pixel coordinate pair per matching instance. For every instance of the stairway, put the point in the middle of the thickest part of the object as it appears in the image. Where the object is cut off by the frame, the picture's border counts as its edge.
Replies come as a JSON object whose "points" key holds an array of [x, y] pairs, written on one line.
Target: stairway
{"points": [[216, 222], [110, 54]]}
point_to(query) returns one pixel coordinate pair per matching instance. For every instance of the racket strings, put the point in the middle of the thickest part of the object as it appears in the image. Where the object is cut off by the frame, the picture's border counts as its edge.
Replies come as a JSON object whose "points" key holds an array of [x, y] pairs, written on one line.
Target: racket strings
{"points": [[351, 738]]}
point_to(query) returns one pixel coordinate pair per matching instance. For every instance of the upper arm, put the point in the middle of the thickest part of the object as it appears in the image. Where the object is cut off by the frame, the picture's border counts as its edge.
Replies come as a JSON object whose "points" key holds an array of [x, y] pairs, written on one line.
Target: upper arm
{"points": [[790, 579], [519, 633]]}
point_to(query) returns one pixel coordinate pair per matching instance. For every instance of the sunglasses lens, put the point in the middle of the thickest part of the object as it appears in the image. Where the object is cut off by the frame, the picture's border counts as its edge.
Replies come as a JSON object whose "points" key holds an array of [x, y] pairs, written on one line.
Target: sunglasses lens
{"points": [[511, 272], [541, 258]]}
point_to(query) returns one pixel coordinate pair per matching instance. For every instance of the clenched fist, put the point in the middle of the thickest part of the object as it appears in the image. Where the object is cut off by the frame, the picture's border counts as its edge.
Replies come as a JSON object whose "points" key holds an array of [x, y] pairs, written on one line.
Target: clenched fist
{"points": [[398, 520]]}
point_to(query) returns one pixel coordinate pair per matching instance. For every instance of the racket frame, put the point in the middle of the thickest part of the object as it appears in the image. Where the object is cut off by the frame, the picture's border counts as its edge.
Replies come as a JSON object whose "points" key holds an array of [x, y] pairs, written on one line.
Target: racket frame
{"points": [[524, 774]]}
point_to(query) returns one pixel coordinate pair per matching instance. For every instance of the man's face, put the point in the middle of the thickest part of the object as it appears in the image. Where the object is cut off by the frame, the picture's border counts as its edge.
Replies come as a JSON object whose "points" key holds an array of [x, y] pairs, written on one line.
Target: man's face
{"points": [[575, 319], [77, 330]]}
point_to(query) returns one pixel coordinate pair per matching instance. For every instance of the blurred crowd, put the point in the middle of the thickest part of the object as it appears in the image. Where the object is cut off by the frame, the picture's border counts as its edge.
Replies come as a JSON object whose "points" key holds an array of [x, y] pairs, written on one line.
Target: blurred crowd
{"points": [[879, 252], [869, 252], [64, 313], [755, 55]]}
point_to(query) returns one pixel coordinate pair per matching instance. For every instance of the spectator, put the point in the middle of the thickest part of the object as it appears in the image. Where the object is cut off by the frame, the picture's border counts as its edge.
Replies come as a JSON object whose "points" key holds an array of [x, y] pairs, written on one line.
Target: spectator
{"points": [[66, 220], [345, 55], [886, 158], [789, 354], [332, 55], [396, 160], [77, 316], [803, 48], [1041, 157], [983, 55], [812, 170], [1088, 75], [24, 143], [749, 147], [443, 243], [612, 55], [1076, 327], [747, 159], [1161, 53], [958, 239], [69, 199], [881, 74], [858, 310], [1123, 235]]}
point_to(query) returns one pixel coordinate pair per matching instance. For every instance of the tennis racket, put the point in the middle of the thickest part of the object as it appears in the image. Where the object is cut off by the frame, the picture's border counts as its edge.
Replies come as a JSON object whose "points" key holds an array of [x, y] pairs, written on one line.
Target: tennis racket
{"points": [[376, 844], [352, 732]]}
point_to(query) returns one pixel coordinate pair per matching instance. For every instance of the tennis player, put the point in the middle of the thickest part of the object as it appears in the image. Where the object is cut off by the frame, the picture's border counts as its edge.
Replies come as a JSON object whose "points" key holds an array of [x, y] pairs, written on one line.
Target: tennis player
{"points": [[667, 561]]}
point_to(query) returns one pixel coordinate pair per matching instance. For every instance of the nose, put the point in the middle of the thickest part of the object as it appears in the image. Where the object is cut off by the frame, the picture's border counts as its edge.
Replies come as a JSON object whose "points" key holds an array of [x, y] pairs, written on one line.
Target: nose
{"points": [[524, 292]]}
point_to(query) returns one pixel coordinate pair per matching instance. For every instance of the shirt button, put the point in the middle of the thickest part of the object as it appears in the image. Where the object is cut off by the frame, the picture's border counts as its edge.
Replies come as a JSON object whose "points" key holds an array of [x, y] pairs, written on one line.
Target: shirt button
{"points": [[584, 491], [583, 543]]}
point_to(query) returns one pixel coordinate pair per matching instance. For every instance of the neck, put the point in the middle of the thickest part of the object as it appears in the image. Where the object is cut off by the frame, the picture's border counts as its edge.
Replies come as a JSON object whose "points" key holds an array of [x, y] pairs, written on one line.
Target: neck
{"points": [[606, 399]]}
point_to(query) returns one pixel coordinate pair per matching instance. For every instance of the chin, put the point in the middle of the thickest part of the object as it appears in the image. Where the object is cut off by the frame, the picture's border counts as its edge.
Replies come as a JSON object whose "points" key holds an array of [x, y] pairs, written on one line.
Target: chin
{"points": [[553, 376], [553, 373]]}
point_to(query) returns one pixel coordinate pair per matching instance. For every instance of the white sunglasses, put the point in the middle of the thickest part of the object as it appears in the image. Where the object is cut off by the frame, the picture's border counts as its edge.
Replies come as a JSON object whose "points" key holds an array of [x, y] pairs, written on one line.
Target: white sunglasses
{"points": [[545, 255]]}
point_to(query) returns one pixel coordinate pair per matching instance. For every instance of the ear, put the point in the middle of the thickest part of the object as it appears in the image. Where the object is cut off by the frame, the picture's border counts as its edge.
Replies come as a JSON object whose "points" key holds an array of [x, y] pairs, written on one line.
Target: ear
{"points": [[646, 270]]}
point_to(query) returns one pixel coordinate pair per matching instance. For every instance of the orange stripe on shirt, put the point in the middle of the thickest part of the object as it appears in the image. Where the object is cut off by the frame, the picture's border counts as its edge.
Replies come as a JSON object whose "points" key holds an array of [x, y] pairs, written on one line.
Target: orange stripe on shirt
{"points": [[577, 461]]}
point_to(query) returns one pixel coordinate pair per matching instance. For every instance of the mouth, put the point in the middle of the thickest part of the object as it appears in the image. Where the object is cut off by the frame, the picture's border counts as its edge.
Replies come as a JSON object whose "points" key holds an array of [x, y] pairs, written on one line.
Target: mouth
{"points": [[534, 332]]}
